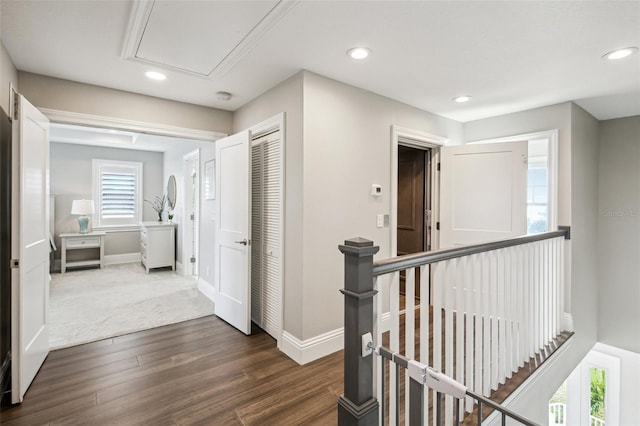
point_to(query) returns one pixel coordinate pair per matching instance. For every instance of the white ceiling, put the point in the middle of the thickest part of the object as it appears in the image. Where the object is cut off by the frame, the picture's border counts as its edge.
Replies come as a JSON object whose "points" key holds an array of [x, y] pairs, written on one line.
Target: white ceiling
{"points": [[509, 55]]}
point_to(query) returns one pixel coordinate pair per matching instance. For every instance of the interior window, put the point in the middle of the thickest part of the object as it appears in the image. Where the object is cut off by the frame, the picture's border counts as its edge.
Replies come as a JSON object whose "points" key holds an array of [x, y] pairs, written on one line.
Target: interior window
{"points": [[538, 187], [117, 192]]}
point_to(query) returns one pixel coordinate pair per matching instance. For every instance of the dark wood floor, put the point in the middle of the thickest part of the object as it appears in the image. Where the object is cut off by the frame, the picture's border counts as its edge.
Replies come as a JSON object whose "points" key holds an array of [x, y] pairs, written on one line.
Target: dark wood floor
{"points": [[197, 372]]}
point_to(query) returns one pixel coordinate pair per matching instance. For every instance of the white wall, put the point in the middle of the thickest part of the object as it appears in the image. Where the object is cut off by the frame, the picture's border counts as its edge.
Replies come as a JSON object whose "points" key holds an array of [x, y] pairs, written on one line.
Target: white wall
{"points": [[71, 179], [619, 233], [65, 95], [8, 75], [584, 222]]}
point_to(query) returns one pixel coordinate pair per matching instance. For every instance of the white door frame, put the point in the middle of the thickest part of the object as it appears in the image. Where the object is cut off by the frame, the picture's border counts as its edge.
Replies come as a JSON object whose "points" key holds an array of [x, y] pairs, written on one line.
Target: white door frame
{"points": [[190, 238], [420, 140], [552, 156], [275, 123], [68, 117]]}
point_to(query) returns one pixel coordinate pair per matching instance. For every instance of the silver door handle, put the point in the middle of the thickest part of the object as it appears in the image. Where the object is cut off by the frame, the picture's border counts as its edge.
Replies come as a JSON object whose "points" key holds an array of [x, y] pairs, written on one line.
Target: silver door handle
{"points": [[243, 242]]}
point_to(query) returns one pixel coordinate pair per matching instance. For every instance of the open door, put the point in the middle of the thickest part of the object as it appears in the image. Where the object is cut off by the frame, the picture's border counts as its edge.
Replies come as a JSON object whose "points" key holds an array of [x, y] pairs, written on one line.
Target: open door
{"points": [[483, 193], [233, 231], [30, 247]]}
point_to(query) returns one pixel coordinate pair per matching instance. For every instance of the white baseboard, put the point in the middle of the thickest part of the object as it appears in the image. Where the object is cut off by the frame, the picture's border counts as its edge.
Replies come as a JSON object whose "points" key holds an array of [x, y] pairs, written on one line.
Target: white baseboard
{"points": [[567, 322], [305, 351], [207, 289], [179, 269], [116, 259]]}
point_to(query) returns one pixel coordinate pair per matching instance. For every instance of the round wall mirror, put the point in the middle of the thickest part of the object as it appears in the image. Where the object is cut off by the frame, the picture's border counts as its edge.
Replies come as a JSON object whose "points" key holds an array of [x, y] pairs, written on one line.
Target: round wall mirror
{"points": [[172, 190]]}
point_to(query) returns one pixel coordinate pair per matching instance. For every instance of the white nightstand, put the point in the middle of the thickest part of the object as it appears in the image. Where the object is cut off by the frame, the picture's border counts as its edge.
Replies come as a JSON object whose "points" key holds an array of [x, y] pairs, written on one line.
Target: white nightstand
{"points": [[79, 242]]}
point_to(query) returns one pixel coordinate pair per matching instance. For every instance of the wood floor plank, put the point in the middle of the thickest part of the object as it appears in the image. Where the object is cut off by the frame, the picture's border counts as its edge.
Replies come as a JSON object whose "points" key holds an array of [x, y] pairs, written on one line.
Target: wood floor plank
{"points": [[198, 372]]}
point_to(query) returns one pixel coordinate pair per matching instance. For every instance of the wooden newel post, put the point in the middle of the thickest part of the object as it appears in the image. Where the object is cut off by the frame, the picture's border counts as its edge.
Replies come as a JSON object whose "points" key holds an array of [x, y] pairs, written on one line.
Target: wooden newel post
{"points": [[358, 405]]}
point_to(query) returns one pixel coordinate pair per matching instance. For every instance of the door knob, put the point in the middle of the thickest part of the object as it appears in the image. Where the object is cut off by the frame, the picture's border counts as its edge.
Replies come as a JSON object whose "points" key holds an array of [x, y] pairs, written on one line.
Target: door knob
{"points": [[243, 242]]}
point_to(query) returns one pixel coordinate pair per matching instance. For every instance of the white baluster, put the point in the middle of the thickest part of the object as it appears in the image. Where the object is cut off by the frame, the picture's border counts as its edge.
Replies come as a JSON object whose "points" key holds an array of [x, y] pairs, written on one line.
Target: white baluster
{"points": [[425, 278], [409, 330], [460, 315], [501, 269], [394, 340], [486, 335], [470, 313], [449, 306], [438, 289]]}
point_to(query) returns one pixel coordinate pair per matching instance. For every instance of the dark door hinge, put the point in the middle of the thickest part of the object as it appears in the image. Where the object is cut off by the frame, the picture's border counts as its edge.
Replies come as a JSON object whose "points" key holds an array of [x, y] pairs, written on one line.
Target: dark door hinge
{"points": [[14, 263], [437, 226], [16, 106], [438, 167]]}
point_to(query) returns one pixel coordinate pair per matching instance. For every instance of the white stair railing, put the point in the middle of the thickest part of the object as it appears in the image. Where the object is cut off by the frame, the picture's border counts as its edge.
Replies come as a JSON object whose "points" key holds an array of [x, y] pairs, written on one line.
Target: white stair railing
{"points": [[494, 307]]}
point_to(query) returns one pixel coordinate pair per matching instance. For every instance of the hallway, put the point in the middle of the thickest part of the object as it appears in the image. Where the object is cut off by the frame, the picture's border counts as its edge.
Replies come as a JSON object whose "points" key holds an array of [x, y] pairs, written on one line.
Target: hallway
{"points": [[196, 372]]}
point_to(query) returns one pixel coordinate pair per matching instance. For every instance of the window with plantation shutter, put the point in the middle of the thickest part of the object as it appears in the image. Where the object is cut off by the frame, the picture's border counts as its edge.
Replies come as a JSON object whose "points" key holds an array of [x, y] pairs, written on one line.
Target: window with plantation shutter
{"points": [[117, 193]]}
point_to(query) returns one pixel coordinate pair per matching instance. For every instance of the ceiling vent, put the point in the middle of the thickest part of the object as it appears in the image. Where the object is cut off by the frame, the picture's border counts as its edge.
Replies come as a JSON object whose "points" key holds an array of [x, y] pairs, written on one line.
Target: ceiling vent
{"points": [[205, 39]]}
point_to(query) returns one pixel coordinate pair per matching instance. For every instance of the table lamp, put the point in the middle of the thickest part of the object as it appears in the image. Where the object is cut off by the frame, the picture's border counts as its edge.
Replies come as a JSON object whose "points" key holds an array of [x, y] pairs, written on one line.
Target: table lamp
{"points": [[83, 208]]}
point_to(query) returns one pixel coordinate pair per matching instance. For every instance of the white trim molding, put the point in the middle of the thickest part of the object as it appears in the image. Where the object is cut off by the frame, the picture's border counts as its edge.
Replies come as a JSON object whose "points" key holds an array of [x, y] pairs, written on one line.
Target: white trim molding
{"points": [[567, 322], [207, 289], [414, 139], [141, 14], [306, 351], [68, 117]]}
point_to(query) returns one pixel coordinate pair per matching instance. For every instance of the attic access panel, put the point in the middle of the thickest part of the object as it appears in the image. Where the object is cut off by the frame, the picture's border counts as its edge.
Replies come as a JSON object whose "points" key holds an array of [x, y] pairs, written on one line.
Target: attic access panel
{"points": [[196, 37]]}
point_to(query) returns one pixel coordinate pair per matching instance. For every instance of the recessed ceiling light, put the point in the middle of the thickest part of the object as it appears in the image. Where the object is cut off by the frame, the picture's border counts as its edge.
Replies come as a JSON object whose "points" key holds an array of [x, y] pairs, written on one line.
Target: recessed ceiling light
{"points": [[620, 53], [462, 99], [359, 53], [154, 75]]}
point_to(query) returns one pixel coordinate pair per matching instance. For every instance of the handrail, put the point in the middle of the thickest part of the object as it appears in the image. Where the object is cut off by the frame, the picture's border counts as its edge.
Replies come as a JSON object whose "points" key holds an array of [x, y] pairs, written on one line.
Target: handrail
{"points": [[414, 260], [443, 384]]}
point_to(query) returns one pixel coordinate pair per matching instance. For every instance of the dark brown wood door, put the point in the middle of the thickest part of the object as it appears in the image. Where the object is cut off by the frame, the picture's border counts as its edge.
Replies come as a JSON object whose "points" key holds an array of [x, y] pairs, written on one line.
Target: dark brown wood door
{"points": [[411, 204]]}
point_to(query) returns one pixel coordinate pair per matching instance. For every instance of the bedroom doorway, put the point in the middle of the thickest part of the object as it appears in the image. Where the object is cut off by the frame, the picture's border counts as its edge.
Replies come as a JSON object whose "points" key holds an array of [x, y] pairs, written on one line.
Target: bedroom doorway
{"points": [[95, 304]]}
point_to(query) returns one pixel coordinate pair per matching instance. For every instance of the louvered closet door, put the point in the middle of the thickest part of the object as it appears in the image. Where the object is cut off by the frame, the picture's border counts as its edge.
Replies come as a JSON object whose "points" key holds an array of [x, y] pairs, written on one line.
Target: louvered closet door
{"points": [[256, 234], [266, 229]]}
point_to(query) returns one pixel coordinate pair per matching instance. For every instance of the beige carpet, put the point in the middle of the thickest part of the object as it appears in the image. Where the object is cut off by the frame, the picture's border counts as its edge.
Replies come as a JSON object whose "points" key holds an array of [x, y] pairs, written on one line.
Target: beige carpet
{"points": [[94, 304]]}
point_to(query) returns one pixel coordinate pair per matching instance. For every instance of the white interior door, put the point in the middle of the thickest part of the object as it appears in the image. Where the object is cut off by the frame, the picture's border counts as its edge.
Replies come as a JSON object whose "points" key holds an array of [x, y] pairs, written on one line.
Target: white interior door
{"points": [[30, 246], [233, 231], [483, 193]]}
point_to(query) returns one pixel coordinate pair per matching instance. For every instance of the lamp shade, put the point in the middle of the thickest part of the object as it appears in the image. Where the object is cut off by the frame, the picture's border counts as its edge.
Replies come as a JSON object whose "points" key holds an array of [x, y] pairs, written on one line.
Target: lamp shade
{"points": [[82, 207]]}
